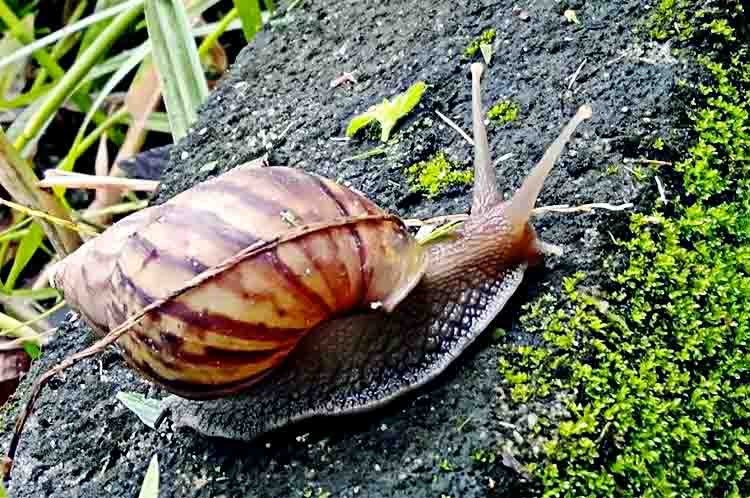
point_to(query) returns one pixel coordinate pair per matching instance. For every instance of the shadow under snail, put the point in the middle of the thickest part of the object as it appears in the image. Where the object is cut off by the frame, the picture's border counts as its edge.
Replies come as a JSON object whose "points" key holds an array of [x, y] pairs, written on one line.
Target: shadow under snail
{"points": [[268, 295]]}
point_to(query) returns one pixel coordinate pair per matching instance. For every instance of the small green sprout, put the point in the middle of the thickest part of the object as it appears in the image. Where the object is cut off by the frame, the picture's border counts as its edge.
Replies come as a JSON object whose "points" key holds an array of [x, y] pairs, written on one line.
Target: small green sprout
{"points": [[434, 176], [388, 112], [483, 456], [611, 170], [658, 143], [486, 38], [504, 112]]}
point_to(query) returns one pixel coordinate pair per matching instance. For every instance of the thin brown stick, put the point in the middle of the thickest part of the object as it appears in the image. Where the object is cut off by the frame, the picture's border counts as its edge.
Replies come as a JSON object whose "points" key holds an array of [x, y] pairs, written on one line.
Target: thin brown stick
{"points": [[453, 125], [628, 160]]}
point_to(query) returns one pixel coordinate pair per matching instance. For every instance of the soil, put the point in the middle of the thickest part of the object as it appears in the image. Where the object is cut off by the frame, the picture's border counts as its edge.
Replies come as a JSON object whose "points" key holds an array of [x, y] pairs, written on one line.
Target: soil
{"points": [[277, 99]]}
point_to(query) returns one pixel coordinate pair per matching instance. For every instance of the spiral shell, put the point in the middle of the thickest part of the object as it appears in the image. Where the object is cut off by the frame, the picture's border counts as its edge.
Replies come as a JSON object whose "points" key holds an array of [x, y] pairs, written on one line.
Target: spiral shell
{"points": [[246, 264]]}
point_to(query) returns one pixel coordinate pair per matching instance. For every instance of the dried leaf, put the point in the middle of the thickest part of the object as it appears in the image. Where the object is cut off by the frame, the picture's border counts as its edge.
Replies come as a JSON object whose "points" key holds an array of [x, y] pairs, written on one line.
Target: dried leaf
{"points": [[148, 410], [176, 57], [13, 364]]}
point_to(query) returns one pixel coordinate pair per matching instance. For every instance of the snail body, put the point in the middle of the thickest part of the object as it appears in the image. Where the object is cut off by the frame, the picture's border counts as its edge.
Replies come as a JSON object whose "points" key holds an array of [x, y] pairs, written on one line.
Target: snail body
{"points": [[229, 331], [297, 296]]}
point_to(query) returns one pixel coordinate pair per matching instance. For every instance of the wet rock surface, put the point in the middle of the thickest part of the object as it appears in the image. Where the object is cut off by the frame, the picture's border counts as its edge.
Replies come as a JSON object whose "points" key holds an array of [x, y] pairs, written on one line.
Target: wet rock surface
{"points": [[278, 99]]}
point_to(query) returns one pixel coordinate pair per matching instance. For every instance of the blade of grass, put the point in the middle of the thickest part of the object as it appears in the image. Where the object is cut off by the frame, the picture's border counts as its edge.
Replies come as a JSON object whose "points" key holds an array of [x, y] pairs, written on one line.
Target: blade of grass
{"points": [[8, 323], [44, 59], [35, 294], [62, 46], [44, 216], [73, 77], [221, 27], [10, 75], [41, 316], [26, 250], [142, 98], [150, 486], [103, 10], [76, 150], [158, 121], [16, 235], [19, 180], [252, 21], [176, 58]]}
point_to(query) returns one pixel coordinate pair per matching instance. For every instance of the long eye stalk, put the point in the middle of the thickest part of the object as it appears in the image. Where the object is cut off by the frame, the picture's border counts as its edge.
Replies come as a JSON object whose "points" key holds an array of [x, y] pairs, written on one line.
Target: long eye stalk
{"points": [[486, 194], [524, 199]]}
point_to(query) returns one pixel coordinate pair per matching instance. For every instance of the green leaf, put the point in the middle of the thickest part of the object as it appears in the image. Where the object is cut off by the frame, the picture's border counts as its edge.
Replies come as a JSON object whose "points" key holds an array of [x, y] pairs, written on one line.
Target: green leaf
{"points": [[3, 491], [388, 112], [359, 122], [148, 410], [252, 21], [26, 249], [176, 57], [150, 486], [32, 349], [74, 76]]}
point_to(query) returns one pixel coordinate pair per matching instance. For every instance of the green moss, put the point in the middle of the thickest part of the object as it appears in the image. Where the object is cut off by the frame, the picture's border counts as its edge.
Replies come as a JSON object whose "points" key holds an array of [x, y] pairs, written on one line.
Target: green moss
{"points": [[696, 22], [436, 175], [445, 466], [486, 38], [654, 374], [504, 112]]}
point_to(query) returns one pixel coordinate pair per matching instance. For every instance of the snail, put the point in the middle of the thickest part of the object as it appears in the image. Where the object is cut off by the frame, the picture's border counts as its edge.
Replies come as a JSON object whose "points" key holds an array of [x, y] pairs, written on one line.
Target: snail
{"points": [[268, 295]]}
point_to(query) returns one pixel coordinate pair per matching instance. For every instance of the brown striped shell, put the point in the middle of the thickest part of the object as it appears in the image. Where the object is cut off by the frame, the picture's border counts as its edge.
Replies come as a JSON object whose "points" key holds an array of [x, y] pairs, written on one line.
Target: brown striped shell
{"points": [[245, 264]]}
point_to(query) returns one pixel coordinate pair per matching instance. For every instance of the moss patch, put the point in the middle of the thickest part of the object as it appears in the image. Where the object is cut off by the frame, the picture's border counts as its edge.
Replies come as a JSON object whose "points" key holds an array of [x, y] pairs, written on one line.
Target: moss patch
{"points": [[486, 38], [654, 375], [436, 175], [504, 112]]}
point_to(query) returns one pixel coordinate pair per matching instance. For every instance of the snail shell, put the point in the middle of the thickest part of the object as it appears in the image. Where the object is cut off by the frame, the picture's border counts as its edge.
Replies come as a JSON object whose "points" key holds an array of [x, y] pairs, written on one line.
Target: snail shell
{"points": [[323, 250]]}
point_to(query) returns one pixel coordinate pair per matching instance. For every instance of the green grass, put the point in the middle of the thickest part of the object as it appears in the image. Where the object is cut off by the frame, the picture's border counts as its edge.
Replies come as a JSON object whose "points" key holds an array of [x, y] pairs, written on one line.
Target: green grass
{"points": [[655, 373], [105, 47]]}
